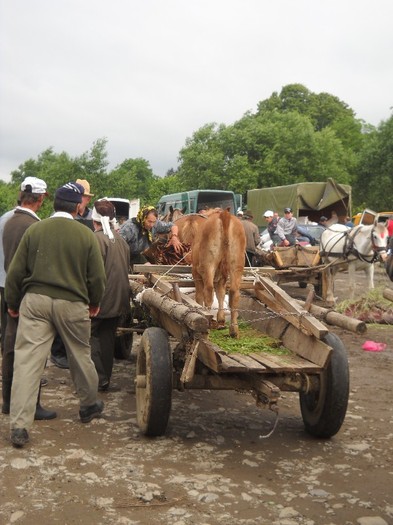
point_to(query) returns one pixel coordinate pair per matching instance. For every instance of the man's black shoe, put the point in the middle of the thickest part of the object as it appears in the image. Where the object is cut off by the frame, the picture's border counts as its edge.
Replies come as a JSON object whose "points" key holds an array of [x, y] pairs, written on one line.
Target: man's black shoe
{"points": [[103, 387], [42, 414], [19, 437], [5, 409], [60, 362], [88, 413]]}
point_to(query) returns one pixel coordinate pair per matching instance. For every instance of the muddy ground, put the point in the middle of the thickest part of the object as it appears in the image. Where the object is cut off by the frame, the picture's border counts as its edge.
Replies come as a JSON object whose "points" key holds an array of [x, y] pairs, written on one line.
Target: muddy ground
{"points": [[214, 465]]}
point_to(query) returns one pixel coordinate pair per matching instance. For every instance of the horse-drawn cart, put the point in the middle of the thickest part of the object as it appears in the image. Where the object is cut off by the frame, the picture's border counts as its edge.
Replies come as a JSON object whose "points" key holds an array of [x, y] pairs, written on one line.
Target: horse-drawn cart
{"points": [[176, 352]]}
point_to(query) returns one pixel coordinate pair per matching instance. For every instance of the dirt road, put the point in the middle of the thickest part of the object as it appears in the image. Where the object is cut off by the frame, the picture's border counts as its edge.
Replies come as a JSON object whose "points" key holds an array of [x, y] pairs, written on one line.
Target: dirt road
{"points": [[214, 466]]}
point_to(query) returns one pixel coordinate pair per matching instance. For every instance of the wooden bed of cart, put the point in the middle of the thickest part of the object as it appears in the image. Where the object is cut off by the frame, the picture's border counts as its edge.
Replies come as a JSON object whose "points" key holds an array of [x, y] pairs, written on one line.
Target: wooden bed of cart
{"points": [[175, 351]]}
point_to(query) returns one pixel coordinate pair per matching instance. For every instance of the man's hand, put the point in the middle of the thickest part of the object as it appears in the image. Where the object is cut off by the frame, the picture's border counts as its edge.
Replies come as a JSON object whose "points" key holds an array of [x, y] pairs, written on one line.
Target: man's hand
{"points": [[93, 311], [13, 313]]}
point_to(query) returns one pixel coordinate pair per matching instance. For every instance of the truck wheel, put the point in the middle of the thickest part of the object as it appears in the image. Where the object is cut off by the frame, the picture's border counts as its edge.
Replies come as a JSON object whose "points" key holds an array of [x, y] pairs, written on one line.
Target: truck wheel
{"points": [[153, 382], [323, 411], [123, 342]]}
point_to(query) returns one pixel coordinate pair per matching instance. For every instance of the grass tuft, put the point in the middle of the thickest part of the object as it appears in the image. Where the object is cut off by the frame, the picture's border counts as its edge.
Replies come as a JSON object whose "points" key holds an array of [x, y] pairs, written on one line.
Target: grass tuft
{"points": [[250, 341]]}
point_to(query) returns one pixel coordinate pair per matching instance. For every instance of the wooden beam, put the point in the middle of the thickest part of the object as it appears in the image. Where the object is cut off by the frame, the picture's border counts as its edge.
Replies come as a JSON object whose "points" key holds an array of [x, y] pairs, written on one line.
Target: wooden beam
{"points": [[161, 268], [279, 301]]}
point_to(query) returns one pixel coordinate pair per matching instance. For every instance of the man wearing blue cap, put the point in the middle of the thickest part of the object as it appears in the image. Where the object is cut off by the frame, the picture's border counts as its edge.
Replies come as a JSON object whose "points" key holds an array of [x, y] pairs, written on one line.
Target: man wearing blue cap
{"points": [[55, 283]]}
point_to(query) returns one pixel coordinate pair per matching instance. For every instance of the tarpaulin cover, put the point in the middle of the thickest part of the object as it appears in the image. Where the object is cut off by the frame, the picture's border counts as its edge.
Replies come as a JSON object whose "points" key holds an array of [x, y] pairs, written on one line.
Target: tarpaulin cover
{"points": [[307, 199]]}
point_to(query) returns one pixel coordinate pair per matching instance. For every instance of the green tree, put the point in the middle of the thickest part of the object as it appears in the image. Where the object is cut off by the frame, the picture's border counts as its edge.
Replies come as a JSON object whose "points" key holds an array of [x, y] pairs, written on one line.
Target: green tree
{"points": [[374, 185], [131, 179], [8, 196], [202, 160]]}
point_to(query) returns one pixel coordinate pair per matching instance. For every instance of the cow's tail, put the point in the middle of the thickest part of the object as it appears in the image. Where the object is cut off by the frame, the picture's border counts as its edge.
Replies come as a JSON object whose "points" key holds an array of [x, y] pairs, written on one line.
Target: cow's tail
{"points": [[226, 223]]}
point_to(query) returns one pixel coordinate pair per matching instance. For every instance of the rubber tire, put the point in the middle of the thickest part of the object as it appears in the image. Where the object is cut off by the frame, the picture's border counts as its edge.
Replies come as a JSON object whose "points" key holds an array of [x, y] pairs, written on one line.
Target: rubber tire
{"points": [[123, 342], [153, 402], [302, 284], [324, 411]]}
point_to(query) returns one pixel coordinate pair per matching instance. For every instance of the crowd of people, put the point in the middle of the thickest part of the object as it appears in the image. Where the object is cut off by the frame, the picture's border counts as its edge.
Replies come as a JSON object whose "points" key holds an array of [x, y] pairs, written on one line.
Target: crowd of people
{"points": [[64, 287]]}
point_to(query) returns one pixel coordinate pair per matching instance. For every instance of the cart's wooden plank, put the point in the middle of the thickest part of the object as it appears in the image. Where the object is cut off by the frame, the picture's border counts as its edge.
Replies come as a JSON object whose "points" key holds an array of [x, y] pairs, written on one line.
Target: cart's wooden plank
{"points": [[231, 365], [285, 363], [247, 361], [211, 356]]}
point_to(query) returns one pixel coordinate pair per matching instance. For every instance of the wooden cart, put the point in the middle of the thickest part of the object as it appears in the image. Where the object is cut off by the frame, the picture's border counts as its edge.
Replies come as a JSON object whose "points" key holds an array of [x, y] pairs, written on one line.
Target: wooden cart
{"points": [[297, 263], [175, 352]]}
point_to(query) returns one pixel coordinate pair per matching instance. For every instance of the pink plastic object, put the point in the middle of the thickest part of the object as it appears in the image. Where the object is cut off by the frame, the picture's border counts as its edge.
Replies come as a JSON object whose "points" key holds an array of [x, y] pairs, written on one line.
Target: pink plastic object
{"points": [[372, 346]]}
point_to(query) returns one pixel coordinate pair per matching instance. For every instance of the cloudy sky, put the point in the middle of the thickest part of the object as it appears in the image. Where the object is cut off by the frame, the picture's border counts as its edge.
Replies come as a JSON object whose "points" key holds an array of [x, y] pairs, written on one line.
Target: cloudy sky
{"points": [[147, 74]]}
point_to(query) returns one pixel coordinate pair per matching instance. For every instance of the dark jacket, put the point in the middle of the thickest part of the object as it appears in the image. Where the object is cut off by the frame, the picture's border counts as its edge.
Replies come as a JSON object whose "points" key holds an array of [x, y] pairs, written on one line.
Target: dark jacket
{"points": [[13, 232], [116, 256]]}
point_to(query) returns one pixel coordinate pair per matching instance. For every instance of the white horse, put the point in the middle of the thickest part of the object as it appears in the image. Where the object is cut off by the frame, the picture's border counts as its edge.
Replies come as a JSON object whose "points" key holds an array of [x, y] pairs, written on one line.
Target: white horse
{"points": [[360, 247]]}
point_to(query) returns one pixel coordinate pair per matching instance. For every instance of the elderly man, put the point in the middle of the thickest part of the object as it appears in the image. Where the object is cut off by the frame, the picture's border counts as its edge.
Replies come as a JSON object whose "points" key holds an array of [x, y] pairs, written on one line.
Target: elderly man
{"points": [[84, 214], [54, 284], [31, 197], [252, 238], [3, 220], [116, 300]]}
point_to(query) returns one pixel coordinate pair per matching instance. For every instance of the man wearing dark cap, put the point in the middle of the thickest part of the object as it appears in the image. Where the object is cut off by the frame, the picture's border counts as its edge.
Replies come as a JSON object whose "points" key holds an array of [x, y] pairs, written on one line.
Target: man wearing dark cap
{"points": [[287, 228], [31, 197], [252, 237], [323, 221], [54, 284]]}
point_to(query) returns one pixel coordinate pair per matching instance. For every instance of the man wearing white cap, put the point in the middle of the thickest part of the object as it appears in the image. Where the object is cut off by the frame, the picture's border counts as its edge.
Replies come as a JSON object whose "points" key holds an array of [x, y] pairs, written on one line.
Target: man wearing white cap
{"points": [[32, 194], [271, 225]]}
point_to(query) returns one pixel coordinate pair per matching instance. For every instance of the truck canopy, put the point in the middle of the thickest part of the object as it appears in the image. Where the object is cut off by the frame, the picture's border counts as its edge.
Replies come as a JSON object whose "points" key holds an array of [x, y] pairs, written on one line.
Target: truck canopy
{"points": [[308, 200]]}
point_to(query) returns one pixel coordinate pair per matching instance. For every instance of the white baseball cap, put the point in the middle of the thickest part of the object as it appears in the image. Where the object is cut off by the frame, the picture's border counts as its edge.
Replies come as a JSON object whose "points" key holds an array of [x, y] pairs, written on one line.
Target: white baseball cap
{"points": [[268, 213], [34, 185]]}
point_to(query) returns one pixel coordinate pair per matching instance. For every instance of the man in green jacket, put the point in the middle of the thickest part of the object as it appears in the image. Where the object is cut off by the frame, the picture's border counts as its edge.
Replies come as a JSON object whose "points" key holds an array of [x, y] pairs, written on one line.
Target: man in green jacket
{"points": [[55, 283]]}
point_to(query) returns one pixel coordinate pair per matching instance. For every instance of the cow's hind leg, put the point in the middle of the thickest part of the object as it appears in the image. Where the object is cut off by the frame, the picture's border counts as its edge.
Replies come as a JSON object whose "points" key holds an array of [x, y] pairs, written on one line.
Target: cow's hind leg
{"points": [[220, 293], [234, 296]]}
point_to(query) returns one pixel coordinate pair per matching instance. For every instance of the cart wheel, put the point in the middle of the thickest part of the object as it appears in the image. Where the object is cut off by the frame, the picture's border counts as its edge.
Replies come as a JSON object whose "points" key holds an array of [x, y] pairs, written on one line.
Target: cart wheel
{"points": [[153, 382], [123, 342], [323, 411]]}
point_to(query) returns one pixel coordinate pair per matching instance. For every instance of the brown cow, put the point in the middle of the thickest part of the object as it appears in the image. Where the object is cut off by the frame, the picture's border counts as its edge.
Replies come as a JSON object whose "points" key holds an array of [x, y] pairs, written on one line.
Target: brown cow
{"points": [[218, 251]]}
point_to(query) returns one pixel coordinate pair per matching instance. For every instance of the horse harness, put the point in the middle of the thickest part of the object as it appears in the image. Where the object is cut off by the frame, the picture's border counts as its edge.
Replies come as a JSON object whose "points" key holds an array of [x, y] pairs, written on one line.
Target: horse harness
{"points": [[350, 249]]}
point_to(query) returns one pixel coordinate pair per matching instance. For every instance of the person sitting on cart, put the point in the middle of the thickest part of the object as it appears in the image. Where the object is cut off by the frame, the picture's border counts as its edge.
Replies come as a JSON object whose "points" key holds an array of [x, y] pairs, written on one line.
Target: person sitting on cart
{"points": [[140, 231], [287, 229], [272, 226]]}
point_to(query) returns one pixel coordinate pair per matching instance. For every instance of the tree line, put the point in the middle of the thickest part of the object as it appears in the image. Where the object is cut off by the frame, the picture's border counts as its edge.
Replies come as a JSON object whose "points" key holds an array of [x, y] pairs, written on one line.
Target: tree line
{"points": [[294, 136]]}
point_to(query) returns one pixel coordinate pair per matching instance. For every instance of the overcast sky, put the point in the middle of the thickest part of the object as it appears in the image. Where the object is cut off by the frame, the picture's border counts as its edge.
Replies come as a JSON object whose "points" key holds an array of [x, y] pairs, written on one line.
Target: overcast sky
{"points": [[147, 74]]}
